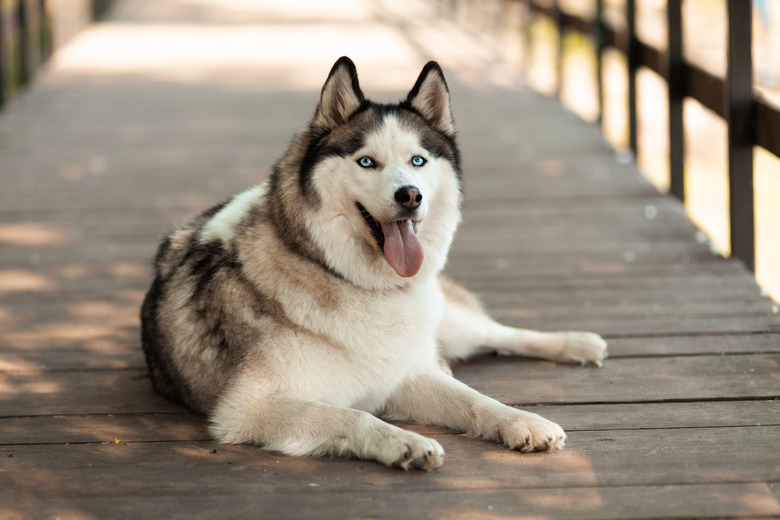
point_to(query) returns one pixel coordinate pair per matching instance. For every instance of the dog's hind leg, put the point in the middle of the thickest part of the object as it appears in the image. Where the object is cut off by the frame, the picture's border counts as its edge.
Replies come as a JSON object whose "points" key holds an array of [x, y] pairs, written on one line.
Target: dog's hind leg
{"points": [[299, 427], [468, 330]]}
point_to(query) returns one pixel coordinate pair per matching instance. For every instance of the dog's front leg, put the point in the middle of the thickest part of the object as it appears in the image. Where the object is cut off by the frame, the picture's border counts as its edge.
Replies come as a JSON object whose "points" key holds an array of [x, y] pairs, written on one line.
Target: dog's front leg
{"points": [[432, 397], [298, 427]]}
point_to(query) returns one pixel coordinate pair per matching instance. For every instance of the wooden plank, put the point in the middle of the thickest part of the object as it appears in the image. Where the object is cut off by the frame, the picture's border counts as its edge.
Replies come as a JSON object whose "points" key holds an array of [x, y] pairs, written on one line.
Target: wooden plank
{"points": [[644, 326], [82, 362], [25, 362], [128, 355], [518, 381], [665, 290], [79, 274], [637, 250], [692, 345], [550, 266], [581, 235], [622, 309], [98, 392], [590, 285], [619, 212], [123, 280], [108, 195], [60, 332], [55, 291], [660, 416], [615, 458], [625, 265], [755, 500], [522, 312], [601, 227], [512, 380], [73, 429]]}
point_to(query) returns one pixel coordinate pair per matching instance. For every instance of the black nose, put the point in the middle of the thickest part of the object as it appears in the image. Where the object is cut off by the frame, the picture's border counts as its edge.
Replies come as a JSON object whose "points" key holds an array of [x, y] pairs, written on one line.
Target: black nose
{"points": [[408, 197]]}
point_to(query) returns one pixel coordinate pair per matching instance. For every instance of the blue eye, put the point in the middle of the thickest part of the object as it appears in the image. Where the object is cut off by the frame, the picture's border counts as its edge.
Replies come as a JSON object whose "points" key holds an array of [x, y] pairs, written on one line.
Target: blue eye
{"points": [[366, 162], [418, 161]]}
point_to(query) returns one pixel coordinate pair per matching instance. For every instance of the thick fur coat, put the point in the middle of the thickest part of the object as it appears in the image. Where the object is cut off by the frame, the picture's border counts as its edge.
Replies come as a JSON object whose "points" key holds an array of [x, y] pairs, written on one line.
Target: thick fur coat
{"points": [[300, 313]]}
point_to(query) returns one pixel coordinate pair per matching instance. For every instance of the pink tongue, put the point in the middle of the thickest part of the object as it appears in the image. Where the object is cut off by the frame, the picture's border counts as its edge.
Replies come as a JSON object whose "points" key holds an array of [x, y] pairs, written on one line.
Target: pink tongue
{"points": [[403, 249]]}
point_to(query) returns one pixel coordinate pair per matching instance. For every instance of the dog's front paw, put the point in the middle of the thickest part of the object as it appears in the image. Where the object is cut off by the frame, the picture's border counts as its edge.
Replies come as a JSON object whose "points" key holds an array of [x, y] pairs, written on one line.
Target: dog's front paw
{"points": [[410, 450], [584, 348], [530, 432]]}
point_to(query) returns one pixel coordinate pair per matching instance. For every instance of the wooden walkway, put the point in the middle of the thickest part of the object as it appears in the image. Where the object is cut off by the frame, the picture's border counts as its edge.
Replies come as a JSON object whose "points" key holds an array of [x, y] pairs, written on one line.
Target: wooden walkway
{"points": [[170, 106]]}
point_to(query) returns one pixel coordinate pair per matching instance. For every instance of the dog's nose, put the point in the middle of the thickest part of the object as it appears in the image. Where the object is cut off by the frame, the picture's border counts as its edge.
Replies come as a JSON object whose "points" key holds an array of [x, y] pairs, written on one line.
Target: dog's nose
{"points": [[408, 197]]}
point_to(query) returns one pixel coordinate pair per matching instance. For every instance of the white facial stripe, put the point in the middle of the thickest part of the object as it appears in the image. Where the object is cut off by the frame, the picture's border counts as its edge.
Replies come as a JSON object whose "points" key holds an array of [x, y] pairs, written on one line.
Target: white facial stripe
{"points": [[222, 225], [398, 143]]}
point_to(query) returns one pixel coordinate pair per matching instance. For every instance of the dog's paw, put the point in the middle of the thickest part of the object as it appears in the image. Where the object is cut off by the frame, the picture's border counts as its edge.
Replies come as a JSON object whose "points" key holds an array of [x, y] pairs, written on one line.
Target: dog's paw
{"points": [[584, 348], [527, 431], [408, 450]]}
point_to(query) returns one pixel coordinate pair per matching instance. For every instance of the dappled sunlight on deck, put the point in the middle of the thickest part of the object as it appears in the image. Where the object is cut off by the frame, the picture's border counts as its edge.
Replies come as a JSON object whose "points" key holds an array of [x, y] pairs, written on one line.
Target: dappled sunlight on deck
{"points": [[21, 280], [758, 497], [29, 234]]}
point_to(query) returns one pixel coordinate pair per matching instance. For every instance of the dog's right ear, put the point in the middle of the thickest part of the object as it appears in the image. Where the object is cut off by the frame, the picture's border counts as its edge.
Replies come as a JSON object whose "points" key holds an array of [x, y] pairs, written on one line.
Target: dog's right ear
{"points": [[341, 96], [430, 97]]}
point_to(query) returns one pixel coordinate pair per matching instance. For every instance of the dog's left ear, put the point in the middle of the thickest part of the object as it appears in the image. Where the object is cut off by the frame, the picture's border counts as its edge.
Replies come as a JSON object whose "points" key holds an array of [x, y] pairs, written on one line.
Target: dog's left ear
{"points": [[430, 97], [341, 96]]}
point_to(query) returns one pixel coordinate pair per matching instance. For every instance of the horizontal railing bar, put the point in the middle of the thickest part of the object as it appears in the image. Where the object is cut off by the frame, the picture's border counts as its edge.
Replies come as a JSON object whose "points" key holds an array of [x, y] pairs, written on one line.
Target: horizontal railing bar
{"points": [[767, 129], [650, 57], [704, 87], [570, 21]]}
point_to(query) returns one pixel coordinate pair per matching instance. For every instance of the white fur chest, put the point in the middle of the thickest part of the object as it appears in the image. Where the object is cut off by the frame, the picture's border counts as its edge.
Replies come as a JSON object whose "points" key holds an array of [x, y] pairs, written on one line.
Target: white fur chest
{"points": [[356, 353]]}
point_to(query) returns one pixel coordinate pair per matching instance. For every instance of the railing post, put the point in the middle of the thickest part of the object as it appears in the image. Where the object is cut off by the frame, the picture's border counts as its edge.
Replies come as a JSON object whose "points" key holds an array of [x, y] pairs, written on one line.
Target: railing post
{"points": [[22, 25], [4, 73], [676, 91], [633, 60], [739, 97], [558, 20], [527, 39], [600, 45], [47, 45]]}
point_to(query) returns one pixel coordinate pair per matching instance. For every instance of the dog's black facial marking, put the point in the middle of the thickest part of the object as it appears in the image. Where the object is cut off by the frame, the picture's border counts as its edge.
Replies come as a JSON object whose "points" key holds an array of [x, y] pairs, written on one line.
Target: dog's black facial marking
{"points": [[343, 141], [439, 145], [436, 143], [375, 227], [296, 238]]}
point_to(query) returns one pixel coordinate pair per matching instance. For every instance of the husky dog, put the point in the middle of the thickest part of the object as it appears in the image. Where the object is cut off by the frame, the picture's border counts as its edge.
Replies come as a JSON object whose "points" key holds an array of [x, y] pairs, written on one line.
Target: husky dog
{"points": [[301, 311]]}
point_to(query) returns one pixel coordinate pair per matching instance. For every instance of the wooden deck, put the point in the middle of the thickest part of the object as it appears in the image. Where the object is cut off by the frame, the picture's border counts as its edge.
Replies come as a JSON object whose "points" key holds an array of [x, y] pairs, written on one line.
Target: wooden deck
{"points": [[170, 106]]}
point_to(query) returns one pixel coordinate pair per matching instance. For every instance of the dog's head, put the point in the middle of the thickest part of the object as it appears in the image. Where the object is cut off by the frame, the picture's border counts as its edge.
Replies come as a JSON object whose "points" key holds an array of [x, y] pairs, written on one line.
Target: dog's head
{"points": [[383, 179]]}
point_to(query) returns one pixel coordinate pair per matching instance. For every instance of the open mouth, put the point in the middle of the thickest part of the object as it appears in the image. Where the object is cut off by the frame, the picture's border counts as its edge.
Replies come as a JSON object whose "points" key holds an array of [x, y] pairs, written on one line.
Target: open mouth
{"points": [[373, 225], [398, 241]]}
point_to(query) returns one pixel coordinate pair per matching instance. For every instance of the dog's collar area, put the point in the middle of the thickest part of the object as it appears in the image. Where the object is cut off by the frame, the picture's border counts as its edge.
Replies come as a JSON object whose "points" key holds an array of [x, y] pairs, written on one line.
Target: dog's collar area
{"points": [[375, 227]]}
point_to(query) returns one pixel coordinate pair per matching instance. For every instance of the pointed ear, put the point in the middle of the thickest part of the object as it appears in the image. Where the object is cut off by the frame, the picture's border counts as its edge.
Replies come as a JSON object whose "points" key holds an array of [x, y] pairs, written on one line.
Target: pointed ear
{"points": [[430, 97], [341, 96]]}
